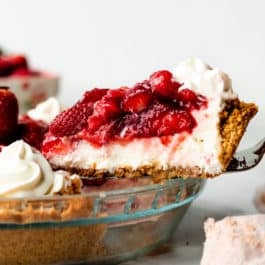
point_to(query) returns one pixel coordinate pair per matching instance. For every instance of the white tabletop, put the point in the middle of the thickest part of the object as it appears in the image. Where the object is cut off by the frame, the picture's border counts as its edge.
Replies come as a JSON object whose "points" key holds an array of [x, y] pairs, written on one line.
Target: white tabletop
{"points": [[230, 194]]}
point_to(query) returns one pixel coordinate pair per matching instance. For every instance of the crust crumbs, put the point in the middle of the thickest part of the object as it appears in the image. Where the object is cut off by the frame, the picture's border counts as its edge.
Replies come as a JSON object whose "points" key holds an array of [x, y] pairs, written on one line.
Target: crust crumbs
{"points": [[153, 171], [53, 243], [234, 120]]}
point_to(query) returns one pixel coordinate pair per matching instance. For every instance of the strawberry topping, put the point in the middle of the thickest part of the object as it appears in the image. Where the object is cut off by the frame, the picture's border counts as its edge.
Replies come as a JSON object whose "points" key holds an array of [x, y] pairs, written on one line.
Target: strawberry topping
{"points": [[162, 84], [189, 100], [137, 100], [93, 95], [72, 121], [55, 145], [155, 107], [106, 109], [175, 121]]}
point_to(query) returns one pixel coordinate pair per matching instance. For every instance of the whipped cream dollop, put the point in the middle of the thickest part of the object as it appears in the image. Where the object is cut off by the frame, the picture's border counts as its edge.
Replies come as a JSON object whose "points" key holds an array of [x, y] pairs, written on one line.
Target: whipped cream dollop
{"points": [[45, 111], [205, 80], [24, 172]]}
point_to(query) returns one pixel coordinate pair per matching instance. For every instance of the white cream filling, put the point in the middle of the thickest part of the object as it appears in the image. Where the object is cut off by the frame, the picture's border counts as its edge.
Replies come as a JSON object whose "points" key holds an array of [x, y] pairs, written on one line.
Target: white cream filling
{"points": [[201, 148]]}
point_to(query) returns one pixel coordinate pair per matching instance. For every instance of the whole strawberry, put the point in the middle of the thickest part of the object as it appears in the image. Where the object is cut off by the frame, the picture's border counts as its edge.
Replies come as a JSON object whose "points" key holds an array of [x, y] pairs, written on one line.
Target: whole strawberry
{"points": [[8, 113], [17, 61], [71, 121]]}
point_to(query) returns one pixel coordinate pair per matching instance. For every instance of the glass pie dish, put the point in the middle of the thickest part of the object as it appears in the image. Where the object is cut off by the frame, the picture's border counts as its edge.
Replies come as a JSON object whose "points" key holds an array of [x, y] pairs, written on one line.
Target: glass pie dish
{"points": [[107, 224]]}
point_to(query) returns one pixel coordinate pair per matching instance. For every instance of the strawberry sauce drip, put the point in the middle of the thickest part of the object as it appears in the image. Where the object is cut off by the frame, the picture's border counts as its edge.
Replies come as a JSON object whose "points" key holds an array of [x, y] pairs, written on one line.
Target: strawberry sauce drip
{"points": [[154, 107]]}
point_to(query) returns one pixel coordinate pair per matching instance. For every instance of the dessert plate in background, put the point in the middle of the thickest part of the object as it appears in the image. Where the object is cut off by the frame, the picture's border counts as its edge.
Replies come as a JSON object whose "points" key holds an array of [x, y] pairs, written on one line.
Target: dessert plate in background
{"points": [[30, 85]]}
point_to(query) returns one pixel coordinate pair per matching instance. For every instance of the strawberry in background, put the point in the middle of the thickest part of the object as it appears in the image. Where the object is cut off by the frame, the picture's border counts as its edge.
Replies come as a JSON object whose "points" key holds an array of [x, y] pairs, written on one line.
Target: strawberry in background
{"points": [[15, 65], [13, 128], [8, 113], [30, 86]]}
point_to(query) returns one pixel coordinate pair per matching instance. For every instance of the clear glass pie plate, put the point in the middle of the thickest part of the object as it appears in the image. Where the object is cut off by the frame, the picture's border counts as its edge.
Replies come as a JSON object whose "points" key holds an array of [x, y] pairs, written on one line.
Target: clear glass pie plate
{"points": [[107, 224]]}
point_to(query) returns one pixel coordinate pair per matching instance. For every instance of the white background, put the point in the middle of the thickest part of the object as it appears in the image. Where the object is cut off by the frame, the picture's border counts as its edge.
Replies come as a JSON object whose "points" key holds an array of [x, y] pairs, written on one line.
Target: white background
{"points": [[110, 43]]}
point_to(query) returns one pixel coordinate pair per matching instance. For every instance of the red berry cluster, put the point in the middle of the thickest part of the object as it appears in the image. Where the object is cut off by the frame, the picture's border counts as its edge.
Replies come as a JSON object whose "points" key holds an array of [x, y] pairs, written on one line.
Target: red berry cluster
{"points": [[12, 128], [155, 107], [15, 65]]}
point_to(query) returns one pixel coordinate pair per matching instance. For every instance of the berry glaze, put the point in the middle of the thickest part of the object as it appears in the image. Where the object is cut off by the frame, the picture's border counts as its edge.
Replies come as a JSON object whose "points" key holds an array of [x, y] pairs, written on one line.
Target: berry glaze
{"points": [[153, 108]]}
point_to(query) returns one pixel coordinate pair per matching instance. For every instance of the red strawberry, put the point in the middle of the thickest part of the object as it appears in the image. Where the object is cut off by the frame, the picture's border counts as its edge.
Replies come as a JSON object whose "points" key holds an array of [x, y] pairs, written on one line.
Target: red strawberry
{"points": [[32, 132], [185, 121], [176, 85], [8, 113], [189, 100], [174, 122], [106, 132], [55, 145], [109, 106], [5, 67], [162, 84], [17, 61], [93, 95], [94, 122], [22, 72], [186, 95], [142, 85], [117, 93], [72, 120], [137, 101], [104, 110]]}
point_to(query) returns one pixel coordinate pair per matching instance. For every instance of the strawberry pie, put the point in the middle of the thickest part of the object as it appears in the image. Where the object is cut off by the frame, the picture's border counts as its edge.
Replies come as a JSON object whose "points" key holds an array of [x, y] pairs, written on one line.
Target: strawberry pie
{"points": [[187, 122]]}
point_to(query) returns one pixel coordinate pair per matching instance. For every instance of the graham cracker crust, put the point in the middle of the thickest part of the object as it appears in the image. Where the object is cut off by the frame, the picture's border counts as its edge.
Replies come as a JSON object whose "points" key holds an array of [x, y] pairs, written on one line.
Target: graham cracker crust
{"points": [[45, 246], [33, 245], [233, 123], [46, 210]]}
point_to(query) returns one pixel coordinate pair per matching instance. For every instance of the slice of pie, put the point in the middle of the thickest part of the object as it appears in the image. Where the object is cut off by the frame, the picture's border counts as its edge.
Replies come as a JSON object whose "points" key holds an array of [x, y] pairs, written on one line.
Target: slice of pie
{"points": [[183, 123]]}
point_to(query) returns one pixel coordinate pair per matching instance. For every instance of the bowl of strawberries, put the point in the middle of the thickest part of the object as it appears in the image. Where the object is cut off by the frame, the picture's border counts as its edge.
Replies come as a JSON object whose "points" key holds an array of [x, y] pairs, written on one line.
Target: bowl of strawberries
{"points": [[29, 85]]}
